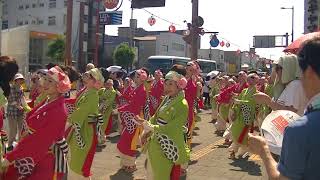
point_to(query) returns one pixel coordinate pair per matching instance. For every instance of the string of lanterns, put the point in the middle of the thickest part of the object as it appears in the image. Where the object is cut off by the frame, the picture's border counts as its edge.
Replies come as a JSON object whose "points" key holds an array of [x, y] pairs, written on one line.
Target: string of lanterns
{"points": [[214, 41]]}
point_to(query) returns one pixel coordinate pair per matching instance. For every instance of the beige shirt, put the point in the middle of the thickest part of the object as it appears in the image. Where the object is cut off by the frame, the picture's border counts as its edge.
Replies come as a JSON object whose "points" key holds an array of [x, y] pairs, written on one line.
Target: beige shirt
{"points": [[294, 95]]}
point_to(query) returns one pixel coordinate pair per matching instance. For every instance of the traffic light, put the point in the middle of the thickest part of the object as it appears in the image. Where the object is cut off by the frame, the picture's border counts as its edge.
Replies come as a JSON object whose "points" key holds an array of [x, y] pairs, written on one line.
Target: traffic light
{"points": [[138, 4]]}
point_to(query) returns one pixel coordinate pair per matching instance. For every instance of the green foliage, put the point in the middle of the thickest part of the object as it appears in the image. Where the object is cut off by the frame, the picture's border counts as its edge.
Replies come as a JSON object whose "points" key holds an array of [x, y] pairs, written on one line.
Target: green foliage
{"points": [[56, 49], [124, 55]]}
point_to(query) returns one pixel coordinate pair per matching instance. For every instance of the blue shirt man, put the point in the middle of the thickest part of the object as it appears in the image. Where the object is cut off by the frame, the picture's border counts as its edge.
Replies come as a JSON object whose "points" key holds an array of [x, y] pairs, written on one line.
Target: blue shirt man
{"points": [[300, 155]]}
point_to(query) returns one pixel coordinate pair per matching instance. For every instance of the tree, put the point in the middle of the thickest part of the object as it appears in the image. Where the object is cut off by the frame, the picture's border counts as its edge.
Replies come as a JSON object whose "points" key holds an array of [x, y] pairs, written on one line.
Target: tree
{"points": [[124, 55], [56, 49]]}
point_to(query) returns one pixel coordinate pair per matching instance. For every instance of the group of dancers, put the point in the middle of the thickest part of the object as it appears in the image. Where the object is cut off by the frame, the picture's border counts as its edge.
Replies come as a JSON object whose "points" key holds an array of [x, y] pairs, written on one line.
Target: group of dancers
{"points": [[60, 135], [156, 115]]}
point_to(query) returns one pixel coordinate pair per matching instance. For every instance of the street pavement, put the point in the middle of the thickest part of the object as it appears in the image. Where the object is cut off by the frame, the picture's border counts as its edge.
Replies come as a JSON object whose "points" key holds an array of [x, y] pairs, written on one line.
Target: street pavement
{"points": [[209, 159]]}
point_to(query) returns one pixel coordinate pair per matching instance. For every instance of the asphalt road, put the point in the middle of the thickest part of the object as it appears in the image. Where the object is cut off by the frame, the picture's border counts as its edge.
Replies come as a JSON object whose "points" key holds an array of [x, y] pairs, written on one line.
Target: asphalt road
{"points": [[209, 159]]}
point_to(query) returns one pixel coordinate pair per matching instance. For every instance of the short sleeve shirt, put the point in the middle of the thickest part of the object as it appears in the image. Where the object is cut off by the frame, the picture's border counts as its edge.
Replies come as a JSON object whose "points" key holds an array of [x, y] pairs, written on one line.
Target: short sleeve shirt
{"points": [[293, 95], [14, 100], [300, 154]]}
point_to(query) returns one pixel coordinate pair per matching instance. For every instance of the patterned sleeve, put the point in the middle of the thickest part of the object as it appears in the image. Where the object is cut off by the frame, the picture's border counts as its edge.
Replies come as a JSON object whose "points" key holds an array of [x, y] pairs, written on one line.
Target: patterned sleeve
{"points": [[84, 109]]}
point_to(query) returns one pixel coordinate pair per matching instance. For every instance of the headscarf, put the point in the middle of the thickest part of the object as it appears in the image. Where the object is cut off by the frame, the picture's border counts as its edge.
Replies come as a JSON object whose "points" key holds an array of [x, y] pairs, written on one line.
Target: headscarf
{"points": [[62, 80], [290, 72], [180, 79], [97, 75]]}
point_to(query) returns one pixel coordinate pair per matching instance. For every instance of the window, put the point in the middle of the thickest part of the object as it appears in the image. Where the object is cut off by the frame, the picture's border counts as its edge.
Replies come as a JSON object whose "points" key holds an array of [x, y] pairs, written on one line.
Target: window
{"points": [[19, 23], [5, 9], [34, 5], [40, 21], [26, 22], [5, 24], [41, 4], [20, 7], [27, 6], [51, 20], [85, 36], [65, 3], [64, 19], [52, 4], [165, 48], [85, 18], [33, 22]]}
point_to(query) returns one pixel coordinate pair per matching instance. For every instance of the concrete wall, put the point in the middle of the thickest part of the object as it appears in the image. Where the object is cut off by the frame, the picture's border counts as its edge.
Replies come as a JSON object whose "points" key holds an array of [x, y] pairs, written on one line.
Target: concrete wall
{"points": [[213, 54], [15, 43], [170, 44], [232, 61], [145, 50], [13, 15]]}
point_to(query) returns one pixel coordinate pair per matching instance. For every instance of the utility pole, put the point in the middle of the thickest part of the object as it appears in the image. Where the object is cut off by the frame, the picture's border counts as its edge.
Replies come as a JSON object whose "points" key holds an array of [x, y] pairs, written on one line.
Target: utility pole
{"points": [[68, 57], [81, 58], [96, 56], [195, 35]]}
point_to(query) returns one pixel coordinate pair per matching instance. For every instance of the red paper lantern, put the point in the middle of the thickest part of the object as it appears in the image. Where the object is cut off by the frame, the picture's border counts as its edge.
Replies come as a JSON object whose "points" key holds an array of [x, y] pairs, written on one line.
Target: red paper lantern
{"points": [[111, 4], [222, 43], [227, 44], [151, 21], [172, 29]]}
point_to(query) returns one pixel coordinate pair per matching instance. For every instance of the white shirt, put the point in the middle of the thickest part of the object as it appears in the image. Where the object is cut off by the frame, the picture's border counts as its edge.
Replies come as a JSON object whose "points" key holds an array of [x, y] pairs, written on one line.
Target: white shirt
{"points": [[205, 87], [294, 95]]}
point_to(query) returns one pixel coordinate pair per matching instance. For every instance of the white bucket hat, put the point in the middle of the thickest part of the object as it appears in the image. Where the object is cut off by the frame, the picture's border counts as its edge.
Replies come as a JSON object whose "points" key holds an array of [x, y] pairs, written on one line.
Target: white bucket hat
{"points": [[18, 76]]}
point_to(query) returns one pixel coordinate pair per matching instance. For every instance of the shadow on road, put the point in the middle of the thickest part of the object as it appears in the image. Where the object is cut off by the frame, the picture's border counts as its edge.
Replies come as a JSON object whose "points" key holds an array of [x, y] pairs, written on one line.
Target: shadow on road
{"points": [[251, 167], [195, 133], [121, 175], [194, 145], [113, 139]]}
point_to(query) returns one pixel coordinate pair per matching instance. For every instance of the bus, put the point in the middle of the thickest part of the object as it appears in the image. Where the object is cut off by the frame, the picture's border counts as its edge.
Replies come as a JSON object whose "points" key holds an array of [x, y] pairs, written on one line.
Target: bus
{"points": [[166, 62]]}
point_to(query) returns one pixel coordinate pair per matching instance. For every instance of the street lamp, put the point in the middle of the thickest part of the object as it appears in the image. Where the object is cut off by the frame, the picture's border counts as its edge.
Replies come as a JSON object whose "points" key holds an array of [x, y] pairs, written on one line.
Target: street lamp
{"points": [[292, 13]]}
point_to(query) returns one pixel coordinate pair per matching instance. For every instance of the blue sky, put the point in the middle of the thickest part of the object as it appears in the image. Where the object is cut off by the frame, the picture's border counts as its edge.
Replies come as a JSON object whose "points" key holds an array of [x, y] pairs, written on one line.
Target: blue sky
{"points": [[236, 20]]}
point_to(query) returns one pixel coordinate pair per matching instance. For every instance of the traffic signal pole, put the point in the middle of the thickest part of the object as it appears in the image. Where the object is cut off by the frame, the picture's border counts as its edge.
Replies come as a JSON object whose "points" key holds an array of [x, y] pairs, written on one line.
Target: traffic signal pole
{"points": [[194, 33]]}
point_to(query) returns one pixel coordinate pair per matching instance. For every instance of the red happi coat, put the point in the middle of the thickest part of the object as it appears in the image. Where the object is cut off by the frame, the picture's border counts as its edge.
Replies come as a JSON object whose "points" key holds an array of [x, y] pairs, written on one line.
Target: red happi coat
{"points": [[125, 96], [191, 96], [225, 94], [131, 131], [156, 93], [240, 88], [33, 157]]}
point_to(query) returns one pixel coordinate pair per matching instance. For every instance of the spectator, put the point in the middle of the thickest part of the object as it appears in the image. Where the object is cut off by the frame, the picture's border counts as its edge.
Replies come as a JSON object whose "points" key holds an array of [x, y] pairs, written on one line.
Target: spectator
{"points": [[15, 109], [292, 96], [300, 148]]}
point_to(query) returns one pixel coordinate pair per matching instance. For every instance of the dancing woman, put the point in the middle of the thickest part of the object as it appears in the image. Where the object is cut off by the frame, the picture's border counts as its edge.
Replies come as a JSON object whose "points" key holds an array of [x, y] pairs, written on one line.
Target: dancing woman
{"points": [[34, 156], [82, 138], [167, 149], [127, 144]]}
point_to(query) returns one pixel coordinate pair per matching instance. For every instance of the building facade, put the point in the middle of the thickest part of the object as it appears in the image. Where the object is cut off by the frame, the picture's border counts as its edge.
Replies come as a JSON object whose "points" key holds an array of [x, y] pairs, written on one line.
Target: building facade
{"points": [[51, 16], [50, 13], [28, 45], [215, 55], [311, 15]]}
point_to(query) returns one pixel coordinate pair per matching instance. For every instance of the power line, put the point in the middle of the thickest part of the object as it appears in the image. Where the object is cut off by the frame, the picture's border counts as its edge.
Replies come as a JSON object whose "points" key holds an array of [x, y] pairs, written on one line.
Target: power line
{"points": [[152, 14], [184, 26]]}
